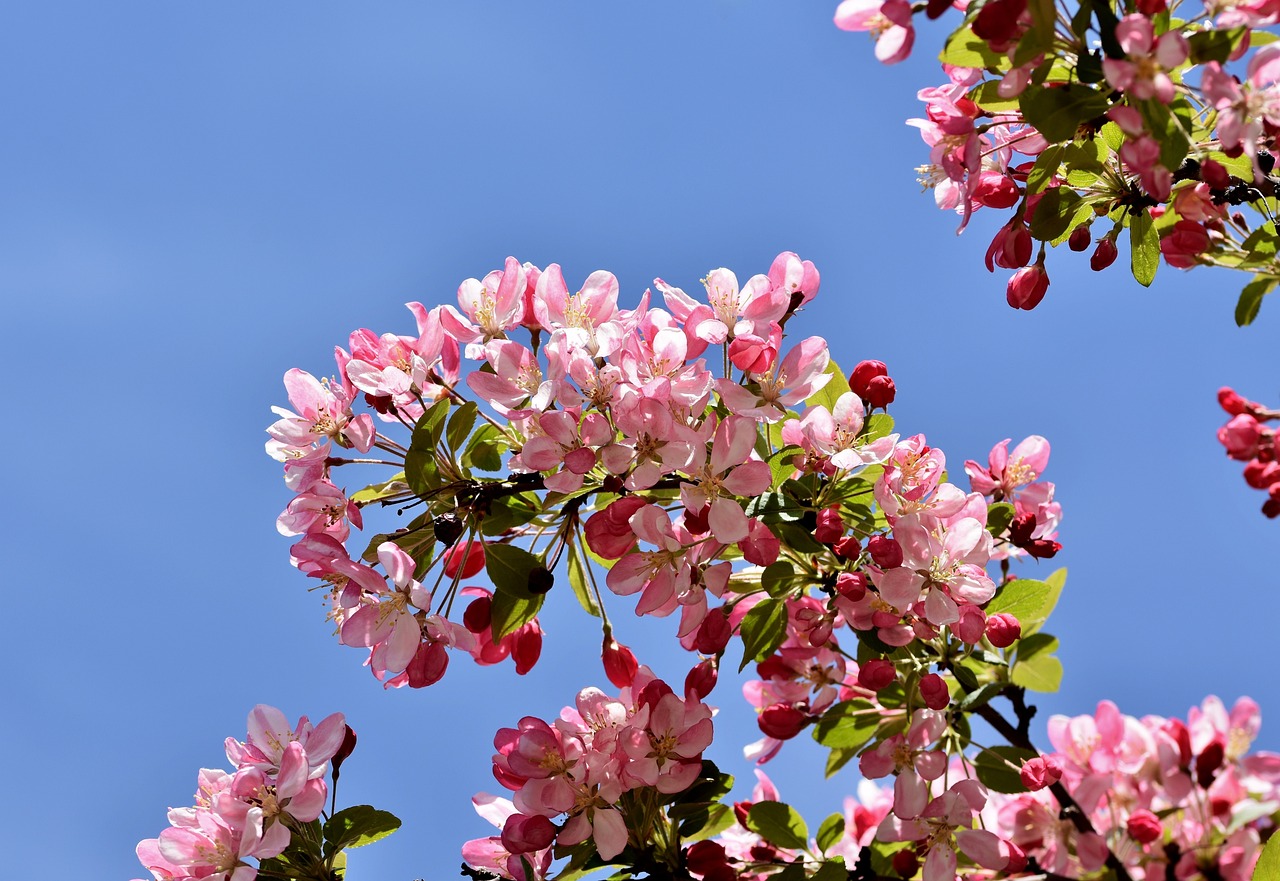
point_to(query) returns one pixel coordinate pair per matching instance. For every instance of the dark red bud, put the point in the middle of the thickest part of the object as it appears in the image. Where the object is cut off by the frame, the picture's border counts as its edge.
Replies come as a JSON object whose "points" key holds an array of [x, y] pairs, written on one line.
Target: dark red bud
{"points": [[344, 751], [1003, 630], [876, 674], [620, 664], [880, 392], [479, 615], [703, 856], [1208, 763], [1104, 255], [906, 863], [933, 688], [1215, 174], [847, 548], [863, 374], [1144, 827], [782, 721], [885, 551], [1080, 239], [713, 633]]}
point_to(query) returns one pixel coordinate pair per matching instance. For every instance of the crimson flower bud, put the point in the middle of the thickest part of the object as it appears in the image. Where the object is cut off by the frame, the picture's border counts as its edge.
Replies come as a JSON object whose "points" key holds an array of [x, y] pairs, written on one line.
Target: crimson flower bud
{"points": [[782, 721], [344, 751], [1104, 255], [1043, 548], [997, 22], [698, 523], [880, 392], [526, 834], [526, 646], [1080, 238], [1003, 630], [620, 664], [1027, 287], [465, 560], [701, 680], [934, 691], [608, 532], [703, 856], [885, 551], [847, 548], [1021, 528], [1178, 731], [830, 527], [1215, 174], [1208, 763], [428, 665], [906, 863], [479, 614], [740, 811], [713, 633], [1017, 859], [1260, 475], [1271, 507], [1040, 772], [851, 585], [863, 373], [876, 674], [1151, 8], [1144, 827]]}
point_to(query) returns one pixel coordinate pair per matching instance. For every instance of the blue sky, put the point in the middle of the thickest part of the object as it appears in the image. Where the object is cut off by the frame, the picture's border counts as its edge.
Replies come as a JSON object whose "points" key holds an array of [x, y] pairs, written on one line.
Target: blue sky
{"points": [[198, 197]]}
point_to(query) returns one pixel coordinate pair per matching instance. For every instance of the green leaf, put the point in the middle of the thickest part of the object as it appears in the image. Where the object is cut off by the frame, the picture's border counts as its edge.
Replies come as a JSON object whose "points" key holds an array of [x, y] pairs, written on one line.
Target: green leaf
{"points": [[430, 428], [763, 629], [510, 511], [1251, 299], [509, 568], [847, 725], [998, 768], [357, 826], [1036, 667], [509, 613], [1268, 865], [999, 516], [780, 464], [1144, 248], [964, 48], [484, 451], [831, 392], [1027, 600], [779, 824], [833, 869], [876, 426], [1038, 39], [1214, 45], [1057, 112], [1046, 166], [987, 96], [578, 581], [418, 540], [980, 697], [1057, 209], [460, 424], [838, 759], [718, 818], [830, 831], [1112, 135], [777, 578], [1169, 125], [375, 491]]}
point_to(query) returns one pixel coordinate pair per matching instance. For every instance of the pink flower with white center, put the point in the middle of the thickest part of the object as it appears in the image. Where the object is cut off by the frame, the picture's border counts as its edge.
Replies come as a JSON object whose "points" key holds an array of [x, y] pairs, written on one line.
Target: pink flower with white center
{"points": [[784, 385], [322, 508], [1104, 744], [1210, 722], [537, 761], [516, 380], [597, 385], [945, 825], [489, 307], [270, 734], [1140, 153], [213, 851], [594, 816], [737, 311], [889, 21], [663, 575], [731, 472], [491, 855], [834, 434], [655, 362], [1143, 73], [322, 413], [302, 468], [909, 757], [795, 277], [290, 792], [1006, 472], [563, 439], [387, 622], [589, 317], [1242, 108], [321, 556], [667, 752], [653, 442], [943, 566]]}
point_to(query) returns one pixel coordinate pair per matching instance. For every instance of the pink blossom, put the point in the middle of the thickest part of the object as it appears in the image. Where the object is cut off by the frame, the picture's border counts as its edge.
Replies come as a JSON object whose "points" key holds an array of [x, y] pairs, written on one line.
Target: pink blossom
{"points": [[785, 385], [1142, 74], [889, 21]]}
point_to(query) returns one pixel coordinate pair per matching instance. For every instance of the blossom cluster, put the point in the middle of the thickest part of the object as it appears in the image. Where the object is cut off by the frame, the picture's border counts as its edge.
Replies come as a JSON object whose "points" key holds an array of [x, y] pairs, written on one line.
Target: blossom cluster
{"points": [[1152, 131], [606, 762], [1248, 439], [252, 812]]}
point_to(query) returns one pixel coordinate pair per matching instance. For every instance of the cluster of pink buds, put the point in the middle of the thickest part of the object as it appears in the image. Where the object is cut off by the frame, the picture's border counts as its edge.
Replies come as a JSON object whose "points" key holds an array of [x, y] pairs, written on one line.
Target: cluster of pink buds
{"points": [[1248, 439], [589, 769], [252, 812]]}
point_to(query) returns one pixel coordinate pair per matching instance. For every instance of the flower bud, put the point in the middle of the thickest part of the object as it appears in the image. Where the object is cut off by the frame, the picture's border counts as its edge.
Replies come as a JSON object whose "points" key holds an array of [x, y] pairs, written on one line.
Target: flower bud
{"points": [[1261, 475], [906, 863], [526, 834], [1027, 287], [830, 527], [1017, 859], [428, 665], [880, 392], [464, 560], [609, 532], [885, 551], [847, 548], [1144, 827], [1181, 735], [620, 664], [713, 633], [782, 721], [863, 373], [703, 856], [1215, 174], [526, 646], [1208, 763], [1104, 255], [1043, 548], [479, 614], [1040, 772], [1021, 527], [1152, 8], [344, 751], [1003, 630], [701, 680], [933, 688], [876, 674], [1080, 239], [851, 585]]}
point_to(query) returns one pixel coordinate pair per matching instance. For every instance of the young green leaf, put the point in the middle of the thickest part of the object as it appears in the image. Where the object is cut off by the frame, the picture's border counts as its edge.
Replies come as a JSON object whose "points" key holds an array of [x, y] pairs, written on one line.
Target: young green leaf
{"points": [[779, 824]]}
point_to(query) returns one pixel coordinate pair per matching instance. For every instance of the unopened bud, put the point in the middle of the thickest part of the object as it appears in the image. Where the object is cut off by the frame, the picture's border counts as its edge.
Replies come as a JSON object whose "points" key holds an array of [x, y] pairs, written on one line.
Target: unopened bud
{"points": [[1003, 630], [1208, 763], [526, 834], [830, 527], [851, 585], [713, 633], [782, 721], [704, 856], [933, 688], [344, 751], [464, 560], [701, 680], [1104, 255], [847, 548], [1027, 287], [885, 551], [1215, 174], [1144, 827], [876, 674], [1080, 239], [1040, 772], [906, 863], [863, 373], [620, 664]]}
